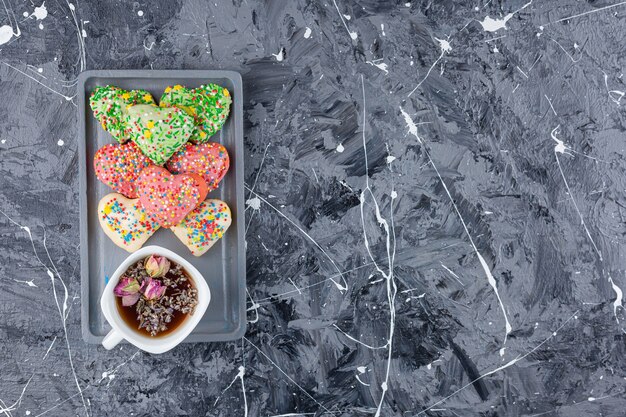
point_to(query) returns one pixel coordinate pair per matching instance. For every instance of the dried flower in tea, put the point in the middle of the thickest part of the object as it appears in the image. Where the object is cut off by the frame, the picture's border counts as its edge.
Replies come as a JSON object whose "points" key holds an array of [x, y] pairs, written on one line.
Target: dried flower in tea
{"points": [[128, 288], [153, 289], [157, 266], [156, 295]]}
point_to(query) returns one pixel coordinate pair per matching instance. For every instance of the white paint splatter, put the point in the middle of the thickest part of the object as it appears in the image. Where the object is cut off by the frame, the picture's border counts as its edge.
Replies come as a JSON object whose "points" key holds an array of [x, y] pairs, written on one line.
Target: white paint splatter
{"points": [[560, 148], [60, 142], [390, 243], [390, 159], [379, 64], [353, 35], [618, 298], [507, 365], [240, 375], [493, 25], [254, 203], [452, 273], [490, 279], [567, 53], [49, 348], [615, 95], [358, 378], [61, 310], [29, 283], [68, 98], [445, 47], [255, 306], [590, 11], [287, 376], [6, 33], [341, 287], [112, 373], [7, 410], [551, 106], [280, 55], [146, 47], [140, 13], [340, 148], [307, 33], [410, 124], [80, 34], [40, 12]]}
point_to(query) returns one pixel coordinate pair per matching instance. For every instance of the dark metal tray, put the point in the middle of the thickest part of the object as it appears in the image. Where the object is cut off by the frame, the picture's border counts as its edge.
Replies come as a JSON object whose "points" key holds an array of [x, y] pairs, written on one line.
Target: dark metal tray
{"points": [[223, 266]]}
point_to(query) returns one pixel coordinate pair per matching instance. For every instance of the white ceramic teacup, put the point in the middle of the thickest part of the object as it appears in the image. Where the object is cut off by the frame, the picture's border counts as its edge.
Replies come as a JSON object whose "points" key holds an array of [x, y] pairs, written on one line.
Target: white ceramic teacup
{"points": [[121, 331]]}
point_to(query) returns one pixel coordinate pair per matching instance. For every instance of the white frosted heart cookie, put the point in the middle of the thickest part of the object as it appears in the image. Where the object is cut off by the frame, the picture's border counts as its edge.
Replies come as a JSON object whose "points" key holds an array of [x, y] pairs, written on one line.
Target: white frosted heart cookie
{"points": [[125, 222], [204, 226]]}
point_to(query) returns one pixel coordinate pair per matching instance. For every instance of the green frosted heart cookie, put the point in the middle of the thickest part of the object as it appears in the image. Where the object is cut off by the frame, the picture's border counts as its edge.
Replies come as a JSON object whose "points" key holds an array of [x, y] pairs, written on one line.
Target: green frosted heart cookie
{"points": [[109, 105], [158, 131], [209, 105]]}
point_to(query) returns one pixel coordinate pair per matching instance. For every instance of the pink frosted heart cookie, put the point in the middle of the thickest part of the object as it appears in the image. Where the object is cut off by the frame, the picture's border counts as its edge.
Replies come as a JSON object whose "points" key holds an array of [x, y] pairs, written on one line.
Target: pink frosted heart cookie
{"points": [[204, 226], [209, 160], [167, 197], [125, 222], [119, 165]]}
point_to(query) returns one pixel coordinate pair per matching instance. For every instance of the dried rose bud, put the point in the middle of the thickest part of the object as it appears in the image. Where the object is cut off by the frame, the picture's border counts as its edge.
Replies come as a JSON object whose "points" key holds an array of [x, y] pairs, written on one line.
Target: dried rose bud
{"points": [[157, 266], [126, 286], [154, 290], [128, 289]]}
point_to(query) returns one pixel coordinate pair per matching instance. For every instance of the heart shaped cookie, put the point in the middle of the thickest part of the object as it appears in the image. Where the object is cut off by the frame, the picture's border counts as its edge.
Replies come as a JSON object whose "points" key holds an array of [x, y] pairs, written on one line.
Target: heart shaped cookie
{"points": [[209, 105], [209, 160], [204, 226], [167, 197], [119, 165], [125, 221], [159, 132], [109, 105]]}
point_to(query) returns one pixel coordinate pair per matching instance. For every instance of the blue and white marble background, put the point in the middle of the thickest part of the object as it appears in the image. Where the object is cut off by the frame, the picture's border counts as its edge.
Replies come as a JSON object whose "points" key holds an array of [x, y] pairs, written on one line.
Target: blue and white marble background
{"points": [[436, 208]]}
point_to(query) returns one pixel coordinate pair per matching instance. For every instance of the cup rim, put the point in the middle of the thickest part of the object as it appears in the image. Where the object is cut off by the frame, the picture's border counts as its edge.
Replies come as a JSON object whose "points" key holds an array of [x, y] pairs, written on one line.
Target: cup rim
{"points": [[145, 343]]}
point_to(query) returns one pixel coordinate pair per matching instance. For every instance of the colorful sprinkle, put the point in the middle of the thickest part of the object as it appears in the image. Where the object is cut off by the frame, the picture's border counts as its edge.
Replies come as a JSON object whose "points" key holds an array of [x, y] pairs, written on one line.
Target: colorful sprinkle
{"points": [[169, 198], [109, 105], [209, 105], [119, 165], [159, 132], [125, 221], [204, 226], [210, 160]]}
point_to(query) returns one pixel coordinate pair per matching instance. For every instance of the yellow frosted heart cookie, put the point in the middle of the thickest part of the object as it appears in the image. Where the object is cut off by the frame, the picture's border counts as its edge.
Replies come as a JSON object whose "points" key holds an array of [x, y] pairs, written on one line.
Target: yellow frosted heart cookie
{"points": [[204, 226], [125, 222]]}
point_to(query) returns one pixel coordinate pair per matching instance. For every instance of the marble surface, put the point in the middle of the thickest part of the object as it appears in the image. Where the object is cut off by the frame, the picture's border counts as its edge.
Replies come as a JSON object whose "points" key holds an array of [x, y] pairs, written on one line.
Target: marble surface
{"points": [[435, 215]]}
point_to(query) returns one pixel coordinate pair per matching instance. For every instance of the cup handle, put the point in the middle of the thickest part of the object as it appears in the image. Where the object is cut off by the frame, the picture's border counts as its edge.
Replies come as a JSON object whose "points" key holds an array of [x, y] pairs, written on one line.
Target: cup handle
{"points": [[112, 339]]}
